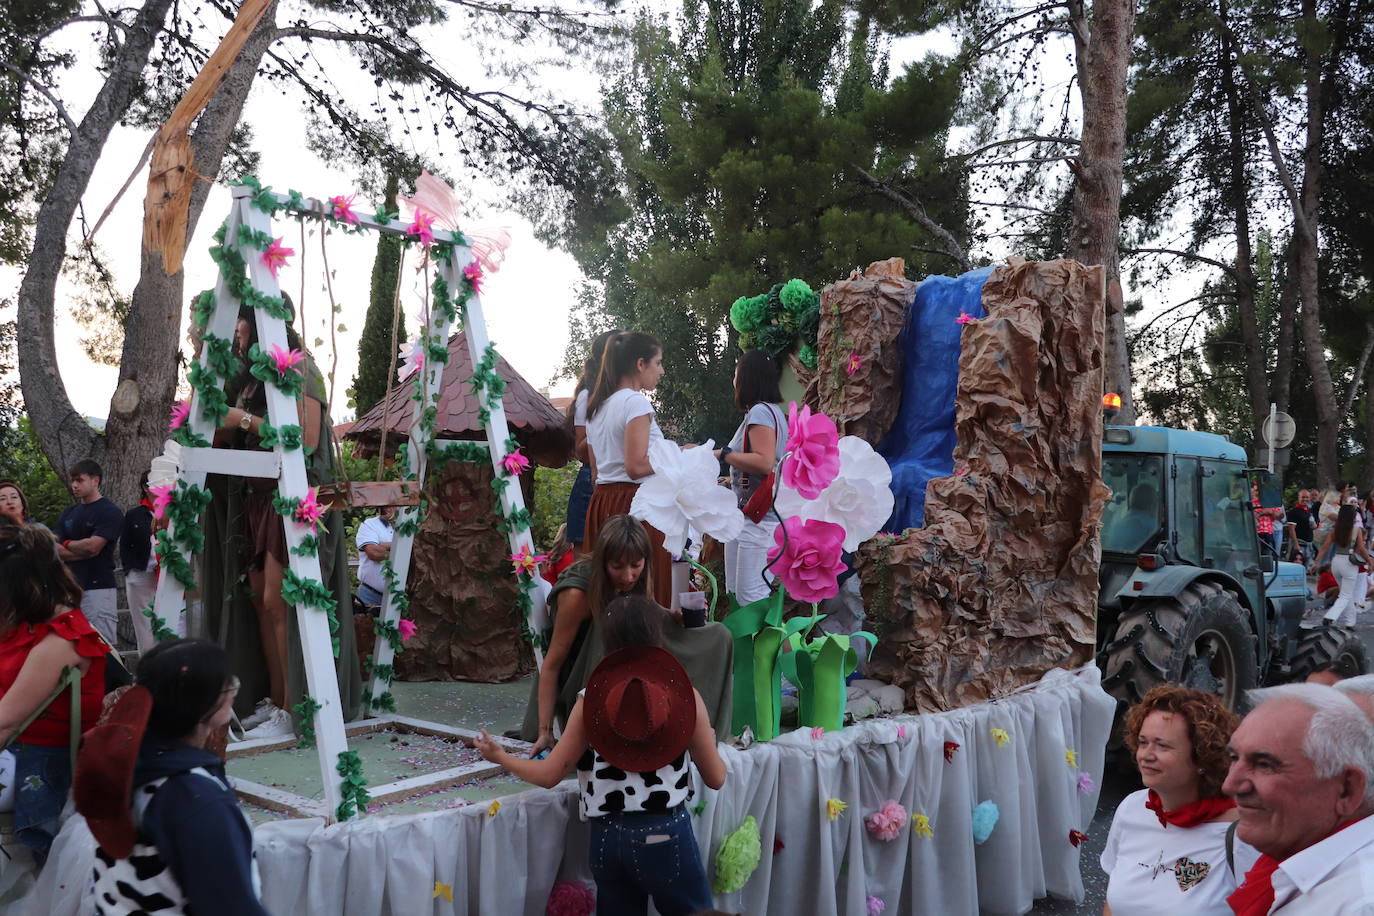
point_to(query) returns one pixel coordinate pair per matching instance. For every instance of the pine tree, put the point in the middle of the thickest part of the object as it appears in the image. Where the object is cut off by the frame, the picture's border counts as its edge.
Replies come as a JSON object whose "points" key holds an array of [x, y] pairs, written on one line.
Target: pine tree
{"points": [[374, 346]]}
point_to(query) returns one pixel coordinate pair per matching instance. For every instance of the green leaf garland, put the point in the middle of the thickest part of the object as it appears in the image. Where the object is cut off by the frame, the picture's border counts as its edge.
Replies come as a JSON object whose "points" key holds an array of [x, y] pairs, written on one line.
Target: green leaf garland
{"points": [[352, 790], [305, 710], [288, 435], [161, 632], [263, 366]]}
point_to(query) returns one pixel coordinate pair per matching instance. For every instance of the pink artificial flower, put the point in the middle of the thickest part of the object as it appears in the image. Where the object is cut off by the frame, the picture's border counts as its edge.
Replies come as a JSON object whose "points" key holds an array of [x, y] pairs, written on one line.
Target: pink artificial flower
{"points": [[854, 365], [950, 748], [343, 209], [287, 360], [808, 558], [888, 822], [406, 628], [275, 256], [181, 411], [422, 227], [162, 498], [414, 361], [875, 905], [901, 732], [475, 276], [813, 447], [1085, 783], [571, 898], [309, 511], [817, 733], [515, 463], [526, 561], [965, 318]]}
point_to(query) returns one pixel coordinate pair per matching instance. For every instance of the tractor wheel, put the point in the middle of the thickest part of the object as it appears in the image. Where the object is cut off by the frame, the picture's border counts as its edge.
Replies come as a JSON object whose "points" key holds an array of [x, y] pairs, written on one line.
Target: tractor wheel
{"points": [[1200, 639], [1325, 644]]}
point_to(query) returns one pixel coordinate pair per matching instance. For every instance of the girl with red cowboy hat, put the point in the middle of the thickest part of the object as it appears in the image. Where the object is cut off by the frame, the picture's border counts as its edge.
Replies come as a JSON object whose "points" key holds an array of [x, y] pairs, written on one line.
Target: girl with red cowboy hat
{"points": [[630, 736]]}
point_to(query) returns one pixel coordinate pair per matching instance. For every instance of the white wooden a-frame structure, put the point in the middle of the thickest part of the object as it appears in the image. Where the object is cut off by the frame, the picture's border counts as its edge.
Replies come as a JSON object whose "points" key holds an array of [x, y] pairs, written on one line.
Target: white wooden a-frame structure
{"points": [[247, 233]]}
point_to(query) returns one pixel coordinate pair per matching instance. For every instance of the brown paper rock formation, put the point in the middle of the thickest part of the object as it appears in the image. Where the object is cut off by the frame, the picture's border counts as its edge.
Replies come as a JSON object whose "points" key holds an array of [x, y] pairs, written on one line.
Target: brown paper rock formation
{"points": [[1001, 583], [461, 586], [862, 317]]}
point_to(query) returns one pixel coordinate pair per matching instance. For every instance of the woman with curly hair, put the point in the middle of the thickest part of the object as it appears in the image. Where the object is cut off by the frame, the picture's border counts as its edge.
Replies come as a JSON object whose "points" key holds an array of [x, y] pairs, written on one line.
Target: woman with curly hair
{"points": [[1172, 846]]}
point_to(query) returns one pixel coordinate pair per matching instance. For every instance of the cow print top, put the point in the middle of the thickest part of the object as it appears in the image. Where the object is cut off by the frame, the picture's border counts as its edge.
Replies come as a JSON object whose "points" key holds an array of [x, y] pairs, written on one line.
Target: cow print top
{"points": [[610, 790]]}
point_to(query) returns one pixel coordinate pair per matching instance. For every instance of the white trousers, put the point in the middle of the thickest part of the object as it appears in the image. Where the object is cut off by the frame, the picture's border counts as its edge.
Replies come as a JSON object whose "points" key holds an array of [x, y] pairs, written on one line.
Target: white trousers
{"points": [[1347, 573], [140, 585], [745, 558], [101, 607]]}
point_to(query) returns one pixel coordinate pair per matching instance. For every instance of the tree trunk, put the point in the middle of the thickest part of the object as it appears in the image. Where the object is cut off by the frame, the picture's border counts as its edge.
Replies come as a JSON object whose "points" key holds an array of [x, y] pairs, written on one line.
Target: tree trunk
{"points": [[149, 368], [64, 433], [1287, 324], [1367, 481], [1238, 194], [1103, 53]]}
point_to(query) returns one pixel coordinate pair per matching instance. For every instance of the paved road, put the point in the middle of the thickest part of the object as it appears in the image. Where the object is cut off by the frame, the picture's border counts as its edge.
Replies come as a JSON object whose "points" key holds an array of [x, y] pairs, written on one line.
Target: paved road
{"points": [[1116, 785]]}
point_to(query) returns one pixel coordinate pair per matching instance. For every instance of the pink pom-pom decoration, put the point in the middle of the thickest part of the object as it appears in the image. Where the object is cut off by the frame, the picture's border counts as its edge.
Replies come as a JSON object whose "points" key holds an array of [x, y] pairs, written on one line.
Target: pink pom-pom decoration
{"points": [[1085, 783], [888, 822], [515, 463], [276, 255], [571, 898], [342, 205], [806, 556], [162, 498], [181, 411], [875, 905], [406, 628], [422, 227], [813, 452], [474, 274]]}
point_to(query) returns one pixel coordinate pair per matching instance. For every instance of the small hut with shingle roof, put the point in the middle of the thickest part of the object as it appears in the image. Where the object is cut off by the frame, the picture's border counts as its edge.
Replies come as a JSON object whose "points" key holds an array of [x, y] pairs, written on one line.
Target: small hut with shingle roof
{"points": [[462, 590]]}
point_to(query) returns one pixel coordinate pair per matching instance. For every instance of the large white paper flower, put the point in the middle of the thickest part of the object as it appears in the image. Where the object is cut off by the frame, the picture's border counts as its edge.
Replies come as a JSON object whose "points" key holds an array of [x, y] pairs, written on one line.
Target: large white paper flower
{"points": [[683, 494], [859, 498]]}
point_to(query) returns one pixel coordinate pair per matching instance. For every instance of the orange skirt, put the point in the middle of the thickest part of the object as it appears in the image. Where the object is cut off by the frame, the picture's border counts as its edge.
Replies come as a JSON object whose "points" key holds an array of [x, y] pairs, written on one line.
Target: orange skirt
{"points": [[609, 499]]}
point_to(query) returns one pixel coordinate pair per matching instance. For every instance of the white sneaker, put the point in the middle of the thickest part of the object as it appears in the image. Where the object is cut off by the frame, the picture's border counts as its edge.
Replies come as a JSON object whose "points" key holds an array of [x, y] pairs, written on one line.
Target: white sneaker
{"points": [[259, 715], [276, 725]]}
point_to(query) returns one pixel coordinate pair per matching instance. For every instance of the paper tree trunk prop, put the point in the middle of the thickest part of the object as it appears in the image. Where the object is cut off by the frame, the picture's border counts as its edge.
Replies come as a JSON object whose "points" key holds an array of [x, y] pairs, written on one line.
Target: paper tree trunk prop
{"points": [[759, 633], [819, 668]]}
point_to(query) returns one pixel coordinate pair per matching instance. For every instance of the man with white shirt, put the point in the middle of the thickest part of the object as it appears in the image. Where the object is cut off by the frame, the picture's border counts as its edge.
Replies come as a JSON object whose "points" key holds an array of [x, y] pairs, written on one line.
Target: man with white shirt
{"points": [[1301, 770], [374, 545]]}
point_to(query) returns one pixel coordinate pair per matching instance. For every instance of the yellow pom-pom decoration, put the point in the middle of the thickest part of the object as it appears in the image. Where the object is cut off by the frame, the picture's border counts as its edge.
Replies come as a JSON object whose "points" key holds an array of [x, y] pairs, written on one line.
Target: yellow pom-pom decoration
{"points": [[493, 808], [921, 824], [834, 808], [1071, 757], [737, 857], [1000, 736]]}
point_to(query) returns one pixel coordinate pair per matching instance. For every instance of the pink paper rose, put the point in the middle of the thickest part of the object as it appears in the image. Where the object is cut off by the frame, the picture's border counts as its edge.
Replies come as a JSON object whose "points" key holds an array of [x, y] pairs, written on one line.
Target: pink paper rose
{"points": [[813, 452], [809, 563], [888, 822]]}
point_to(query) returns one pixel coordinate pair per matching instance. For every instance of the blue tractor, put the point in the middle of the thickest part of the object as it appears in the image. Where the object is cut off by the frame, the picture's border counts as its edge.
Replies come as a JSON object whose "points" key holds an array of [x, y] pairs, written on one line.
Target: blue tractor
{"points": [[1188, 593]]}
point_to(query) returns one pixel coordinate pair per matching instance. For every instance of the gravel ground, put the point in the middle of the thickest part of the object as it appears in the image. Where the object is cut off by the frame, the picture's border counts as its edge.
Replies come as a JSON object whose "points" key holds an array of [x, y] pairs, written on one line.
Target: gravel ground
{"points": [[1117, 783]]}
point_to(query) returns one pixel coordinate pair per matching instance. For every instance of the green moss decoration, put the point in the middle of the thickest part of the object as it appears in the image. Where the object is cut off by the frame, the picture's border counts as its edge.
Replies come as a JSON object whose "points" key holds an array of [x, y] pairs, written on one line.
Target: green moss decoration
{"points": [[737, 857], [808, 357]]}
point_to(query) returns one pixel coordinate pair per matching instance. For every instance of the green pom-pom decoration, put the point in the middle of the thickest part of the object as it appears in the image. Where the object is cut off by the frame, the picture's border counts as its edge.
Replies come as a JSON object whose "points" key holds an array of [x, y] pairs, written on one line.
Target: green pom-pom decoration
{"points": [[807, 355], [809, 323], [737, 857], [776, 340], [798, 298], [746, 342], [749, 314]]}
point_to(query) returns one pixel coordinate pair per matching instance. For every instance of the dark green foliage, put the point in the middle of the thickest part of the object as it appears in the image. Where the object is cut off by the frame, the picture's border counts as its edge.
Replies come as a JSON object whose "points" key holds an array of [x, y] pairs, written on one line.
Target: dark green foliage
{"points": [[375, 354]]}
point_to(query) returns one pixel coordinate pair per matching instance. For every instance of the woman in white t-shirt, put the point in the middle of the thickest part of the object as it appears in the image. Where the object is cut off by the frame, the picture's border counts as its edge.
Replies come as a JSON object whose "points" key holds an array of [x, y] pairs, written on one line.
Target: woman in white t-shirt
{"points": [[1172, 846], [620, 426], [752, 455], [581, 496]]}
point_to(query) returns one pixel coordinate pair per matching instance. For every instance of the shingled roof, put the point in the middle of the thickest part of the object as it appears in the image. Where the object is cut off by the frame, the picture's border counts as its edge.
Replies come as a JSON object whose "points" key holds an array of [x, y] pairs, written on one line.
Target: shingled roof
{"points": [[535, 422]]}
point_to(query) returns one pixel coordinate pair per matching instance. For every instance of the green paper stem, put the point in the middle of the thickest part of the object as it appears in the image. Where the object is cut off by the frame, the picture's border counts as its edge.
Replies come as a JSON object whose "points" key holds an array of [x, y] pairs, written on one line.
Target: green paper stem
{"points": [[710, 579]]}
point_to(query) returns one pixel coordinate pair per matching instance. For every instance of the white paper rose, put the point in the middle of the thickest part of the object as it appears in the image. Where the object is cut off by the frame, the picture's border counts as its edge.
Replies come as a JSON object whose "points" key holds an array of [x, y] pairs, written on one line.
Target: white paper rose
{"points": [[683, 494], [859, 498]]}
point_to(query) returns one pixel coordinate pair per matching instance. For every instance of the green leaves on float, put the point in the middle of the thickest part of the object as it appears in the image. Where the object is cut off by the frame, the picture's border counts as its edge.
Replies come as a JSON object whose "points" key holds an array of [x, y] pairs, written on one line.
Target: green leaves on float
{"points": [[517, 521], [469, 452], [171, 560], [263, 367], [202, 308], [383, 700], [288, 435], [386, 629], [299, 591], [161, 632], [308, 547], [184, 509], [214, 406], [254, 238], [353, 792], [262, 198], [234, 270], [219, 356], [305, 710]]}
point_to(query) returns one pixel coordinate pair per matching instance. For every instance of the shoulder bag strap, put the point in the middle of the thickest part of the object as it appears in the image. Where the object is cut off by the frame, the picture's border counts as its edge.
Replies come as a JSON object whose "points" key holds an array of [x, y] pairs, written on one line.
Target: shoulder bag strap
{"points": [[63, 681]]}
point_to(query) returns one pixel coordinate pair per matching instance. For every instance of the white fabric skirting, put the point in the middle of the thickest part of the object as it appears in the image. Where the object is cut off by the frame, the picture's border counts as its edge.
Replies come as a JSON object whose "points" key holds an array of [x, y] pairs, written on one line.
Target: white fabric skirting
{"points": [[507, 863]]}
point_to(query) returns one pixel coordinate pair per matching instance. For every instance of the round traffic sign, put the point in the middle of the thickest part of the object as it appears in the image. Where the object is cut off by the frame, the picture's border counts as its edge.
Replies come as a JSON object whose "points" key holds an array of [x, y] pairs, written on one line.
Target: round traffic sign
{"points": [[1278, 430]]}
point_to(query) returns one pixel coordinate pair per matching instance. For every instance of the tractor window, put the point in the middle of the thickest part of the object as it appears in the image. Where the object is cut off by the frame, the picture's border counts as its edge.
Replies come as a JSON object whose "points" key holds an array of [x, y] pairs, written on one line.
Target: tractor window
{"points": [[1134, 517], [1187, 517], [1228, 522]]}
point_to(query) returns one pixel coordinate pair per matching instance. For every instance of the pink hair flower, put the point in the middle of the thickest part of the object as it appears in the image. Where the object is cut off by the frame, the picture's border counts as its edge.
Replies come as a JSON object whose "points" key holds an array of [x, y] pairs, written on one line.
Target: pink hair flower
{"points": [[965, 318], [406, 628], [309, 511], [854, 365], [342, 205], [181, 411], [422, 227], [474, 275], [515, 463], [806, 556], [162, 498], [287, 361], [526, 561], [813, 452], [275, 256], [888, 822]]}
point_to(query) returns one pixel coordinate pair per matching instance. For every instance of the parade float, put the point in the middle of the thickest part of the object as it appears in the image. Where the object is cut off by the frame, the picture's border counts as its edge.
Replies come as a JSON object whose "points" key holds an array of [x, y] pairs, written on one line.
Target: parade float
{"points": [[956, 414]]}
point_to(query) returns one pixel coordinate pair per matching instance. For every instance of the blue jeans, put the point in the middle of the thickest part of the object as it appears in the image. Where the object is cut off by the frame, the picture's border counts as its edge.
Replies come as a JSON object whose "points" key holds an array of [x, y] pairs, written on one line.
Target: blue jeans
{"points": [[369, 596], [42, 778], [637, 856], [578, 501]]}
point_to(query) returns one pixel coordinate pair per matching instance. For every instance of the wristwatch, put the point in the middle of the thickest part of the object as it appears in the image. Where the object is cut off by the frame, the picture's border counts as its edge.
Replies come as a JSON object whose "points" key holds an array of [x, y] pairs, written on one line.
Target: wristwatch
{"points": [[725, 451], [246, 421]]}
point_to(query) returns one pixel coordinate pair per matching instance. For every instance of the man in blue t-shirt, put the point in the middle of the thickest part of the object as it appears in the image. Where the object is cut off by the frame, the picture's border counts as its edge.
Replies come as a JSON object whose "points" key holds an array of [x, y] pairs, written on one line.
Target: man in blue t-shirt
{"points": [[87, 533]]}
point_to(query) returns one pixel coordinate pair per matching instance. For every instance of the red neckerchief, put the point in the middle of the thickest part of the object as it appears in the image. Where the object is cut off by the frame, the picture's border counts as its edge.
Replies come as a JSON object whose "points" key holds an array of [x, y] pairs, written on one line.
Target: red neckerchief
{"points": [[1255, 896], [1191, 814], [146, 503]]}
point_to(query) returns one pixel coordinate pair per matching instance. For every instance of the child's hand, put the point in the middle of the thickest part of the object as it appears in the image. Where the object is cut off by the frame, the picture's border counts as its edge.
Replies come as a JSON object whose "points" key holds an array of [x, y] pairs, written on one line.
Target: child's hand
{"points": [[488, 747]]}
